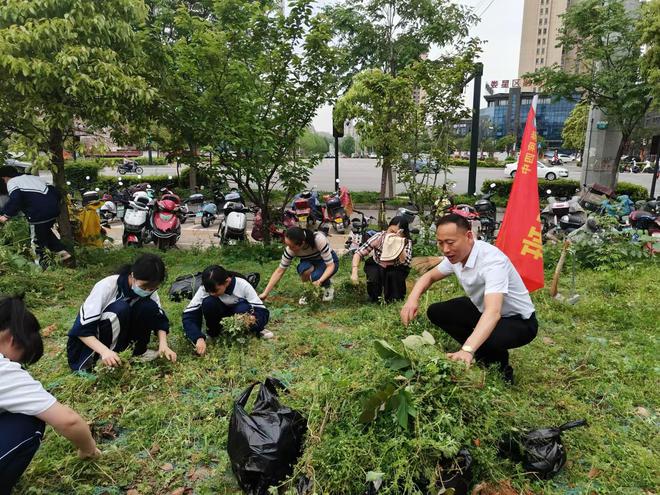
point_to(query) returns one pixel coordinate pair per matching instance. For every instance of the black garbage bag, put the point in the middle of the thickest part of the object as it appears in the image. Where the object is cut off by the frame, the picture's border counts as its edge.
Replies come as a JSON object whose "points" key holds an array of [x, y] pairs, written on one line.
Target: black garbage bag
{"points": [[540, 451], [458, 474], [185, 286], [265, 444]]}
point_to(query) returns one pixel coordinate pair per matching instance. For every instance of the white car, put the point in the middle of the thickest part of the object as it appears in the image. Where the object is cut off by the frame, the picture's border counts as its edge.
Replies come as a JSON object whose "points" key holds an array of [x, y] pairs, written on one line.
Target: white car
{"points": [[544, 171]]}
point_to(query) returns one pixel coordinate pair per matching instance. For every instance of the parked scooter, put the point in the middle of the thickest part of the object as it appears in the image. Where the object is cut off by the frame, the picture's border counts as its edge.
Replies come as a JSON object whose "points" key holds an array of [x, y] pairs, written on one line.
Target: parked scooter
{"points": [[233, 226], [360, 232], [129, 167], [561, 216], [135, 221], [164, 221]]}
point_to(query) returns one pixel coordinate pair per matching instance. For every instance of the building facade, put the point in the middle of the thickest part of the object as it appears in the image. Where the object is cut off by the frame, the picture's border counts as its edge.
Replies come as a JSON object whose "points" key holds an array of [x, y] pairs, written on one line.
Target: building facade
{"points": [[539, 37], [508, 114]]}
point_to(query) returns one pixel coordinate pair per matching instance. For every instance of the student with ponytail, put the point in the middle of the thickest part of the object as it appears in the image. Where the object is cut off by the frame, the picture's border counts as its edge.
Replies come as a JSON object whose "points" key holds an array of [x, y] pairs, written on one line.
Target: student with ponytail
{"points": [[318, 263], [122, 310], [25, 407]]}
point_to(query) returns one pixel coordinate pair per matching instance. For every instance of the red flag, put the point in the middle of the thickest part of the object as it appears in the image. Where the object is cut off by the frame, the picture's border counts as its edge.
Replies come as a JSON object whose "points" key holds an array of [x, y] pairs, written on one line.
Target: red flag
{"points": [[520, 234]]}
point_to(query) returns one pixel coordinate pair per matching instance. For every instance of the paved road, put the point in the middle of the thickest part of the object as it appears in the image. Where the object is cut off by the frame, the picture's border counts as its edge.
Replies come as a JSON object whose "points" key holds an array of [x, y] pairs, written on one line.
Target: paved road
{"points": [[361, 174]]}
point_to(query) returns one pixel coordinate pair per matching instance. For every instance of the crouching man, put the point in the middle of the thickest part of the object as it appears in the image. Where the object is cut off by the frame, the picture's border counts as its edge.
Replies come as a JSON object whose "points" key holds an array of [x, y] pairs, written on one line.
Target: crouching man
{"points": [[497, 314]]}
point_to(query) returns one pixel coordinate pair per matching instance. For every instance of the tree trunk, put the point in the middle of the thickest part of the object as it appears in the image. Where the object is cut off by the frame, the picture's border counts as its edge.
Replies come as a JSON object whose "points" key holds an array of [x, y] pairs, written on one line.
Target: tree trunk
{"points": [[56, 150], [617, 159], [192, 178], [266, 221]]}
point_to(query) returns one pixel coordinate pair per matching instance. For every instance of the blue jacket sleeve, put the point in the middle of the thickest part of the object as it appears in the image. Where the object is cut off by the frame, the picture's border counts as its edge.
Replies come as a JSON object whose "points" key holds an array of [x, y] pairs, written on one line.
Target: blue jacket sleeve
{"points": [[192, 324], [13, 206]]}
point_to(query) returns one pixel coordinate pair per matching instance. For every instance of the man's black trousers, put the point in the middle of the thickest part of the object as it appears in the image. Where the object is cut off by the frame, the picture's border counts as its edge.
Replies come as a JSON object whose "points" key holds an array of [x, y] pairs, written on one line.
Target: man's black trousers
{"points": [[459, 316]]}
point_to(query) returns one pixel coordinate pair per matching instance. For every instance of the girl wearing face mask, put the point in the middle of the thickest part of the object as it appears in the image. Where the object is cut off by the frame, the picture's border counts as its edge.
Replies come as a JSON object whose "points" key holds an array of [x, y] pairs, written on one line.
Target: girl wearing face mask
{"points": [[25, 407], [121, 311]]}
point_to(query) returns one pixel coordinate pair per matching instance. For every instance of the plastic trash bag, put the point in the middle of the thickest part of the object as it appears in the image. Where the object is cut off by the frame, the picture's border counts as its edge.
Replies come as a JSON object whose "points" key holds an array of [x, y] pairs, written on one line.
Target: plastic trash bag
{"points": [[458, 476], [540, 451], [264, 445]]}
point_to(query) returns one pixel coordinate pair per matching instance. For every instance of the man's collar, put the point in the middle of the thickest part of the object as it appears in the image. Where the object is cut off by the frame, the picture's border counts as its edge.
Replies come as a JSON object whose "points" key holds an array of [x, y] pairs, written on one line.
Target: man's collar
{"points": [[472, 259]]}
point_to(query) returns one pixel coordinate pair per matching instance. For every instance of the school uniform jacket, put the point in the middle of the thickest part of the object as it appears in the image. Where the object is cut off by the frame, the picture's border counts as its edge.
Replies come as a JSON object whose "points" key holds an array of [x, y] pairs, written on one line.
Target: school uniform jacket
{"points": [[104, 293], [37, 200], [239, 296]]}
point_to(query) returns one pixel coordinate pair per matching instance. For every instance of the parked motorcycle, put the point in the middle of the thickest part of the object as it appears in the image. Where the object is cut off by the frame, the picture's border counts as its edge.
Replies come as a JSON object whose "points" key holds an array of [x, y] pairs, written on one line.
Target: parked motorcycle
{"points": [[233, 226], [307, 208], [135, 221], [561, 216], [289, 219], [129, 167], [487, 215], [336, 205], [164, 221]]}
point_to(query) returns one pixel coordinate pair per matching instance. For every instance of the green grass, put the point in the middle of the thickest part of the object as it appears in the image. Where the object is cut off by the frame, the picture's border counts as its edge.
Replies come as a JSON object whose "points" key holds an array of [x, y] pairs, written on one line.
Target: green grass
{"points": [[595, 360]]}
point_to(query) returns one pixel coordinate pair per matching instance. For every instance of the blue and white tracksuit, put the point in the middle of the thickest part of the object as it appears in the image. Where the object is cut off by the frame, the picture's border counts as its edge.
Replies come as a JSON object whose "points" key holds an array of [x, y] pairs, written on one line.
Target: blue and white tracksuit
{"points": [[40, 203], [115, 315], [239, 297]]}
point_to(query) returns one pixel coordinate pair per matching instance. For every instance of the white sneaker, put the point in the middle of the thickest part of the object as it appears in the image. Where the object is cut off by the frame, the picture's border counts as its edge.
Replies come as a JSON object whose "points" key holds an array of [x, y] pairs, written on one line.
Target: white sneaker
{"points": [[328, 294], [302, 301], [149, 355], [267, 334]]}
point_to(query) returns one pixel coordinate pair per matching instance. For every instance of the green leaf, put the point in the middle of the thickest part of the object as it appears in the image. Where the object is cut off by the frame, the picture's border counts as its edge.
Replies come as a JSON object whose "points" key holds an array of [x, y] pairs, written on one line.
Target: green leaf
{"points": [[375, 403], [428, 338], [392, 358]]}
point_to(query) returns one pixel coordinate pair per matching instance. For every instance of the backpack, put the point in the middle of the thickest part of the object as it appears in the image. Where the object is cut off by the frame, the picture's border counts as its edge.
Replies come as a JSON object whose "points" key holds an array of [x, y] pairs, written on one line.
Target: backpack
{"points": [[185, 286]]}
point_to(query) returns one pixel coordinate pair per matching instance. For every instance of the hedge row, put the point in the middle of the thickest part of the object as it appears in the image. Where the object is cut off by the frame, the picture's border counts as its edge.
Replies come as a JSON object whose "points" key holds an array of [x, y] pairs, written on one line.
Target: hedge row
{"points": [[143, 161], [561, 188]]}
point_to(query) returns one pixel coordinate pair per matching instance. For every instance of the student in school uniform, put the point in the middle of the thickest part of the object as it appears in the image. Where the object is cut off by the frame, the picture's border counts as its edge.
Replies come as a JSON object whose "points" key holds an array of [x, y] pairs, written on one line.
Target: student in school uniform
{"points": [[121, 311], [318, 262], [25, 407], [221, 295]]}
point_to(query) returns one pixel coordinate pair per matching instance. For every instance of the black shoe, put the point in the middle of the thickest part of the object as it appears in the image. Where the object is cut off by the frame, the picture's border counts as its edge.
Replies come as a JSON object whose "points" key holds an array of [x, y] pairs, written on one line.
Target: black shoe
{"points": [[507, 374]]}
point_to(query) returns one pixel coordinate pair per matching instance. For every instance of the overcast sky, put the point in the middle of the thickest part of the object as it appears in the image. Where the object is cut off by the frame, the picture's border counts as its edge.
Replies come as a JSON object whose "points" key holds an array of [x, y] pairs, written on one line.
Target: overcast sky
{"points": [[499, 29]]}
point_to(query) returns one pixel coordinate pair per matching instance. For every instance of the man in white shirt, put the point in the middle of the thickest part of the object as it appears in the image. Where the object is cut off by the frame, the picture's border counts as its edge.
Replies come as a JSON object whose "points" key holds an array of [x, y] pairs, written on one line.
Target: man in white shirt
{"points": [[497, 314]]}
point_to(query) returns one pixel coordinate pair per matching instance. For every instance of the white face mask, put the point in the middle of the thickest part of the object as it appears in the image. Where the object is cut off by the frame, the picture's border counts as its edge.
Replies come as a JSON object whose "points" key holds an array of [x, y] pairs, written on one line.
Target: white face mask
{"points": [[140, 292]]}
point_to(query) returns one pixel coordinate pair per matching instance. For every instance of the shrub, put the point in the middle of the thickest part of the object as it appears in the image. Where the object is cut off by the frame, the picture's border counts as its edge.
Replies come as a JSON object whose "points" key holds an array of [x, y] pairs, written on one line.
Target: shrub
{"points": [[143, 161], [563, 188], [76, 173]]}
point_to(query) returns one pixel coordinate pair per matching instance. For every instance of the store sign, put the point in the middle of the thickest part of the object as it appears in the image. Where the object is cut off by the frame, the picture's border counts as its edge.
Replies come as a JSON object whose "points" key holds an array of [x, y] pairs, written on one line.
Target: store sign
{"points": [[508, 83], [602, 124]]}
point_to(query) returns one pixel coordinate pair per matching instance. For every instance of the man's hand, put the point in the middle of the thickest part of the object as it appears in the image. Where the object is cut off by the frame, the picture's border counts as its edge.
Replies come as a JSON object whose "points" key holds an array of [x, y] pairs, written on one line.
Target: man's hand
{"points": [[200, 346], [94, 454], [409, 311], [263, 296], [354, 277], [317, 283], [166, 352], [3, 218], [111, 358], [461, 355]]}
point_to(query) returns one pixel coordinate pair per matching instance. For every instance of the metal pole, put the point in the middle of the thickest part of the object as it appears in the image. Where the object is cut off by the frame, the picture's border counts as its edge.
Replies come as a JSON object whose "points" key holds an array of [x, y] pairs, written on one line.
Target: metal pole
{"points": [[476, 101], [587, 153], [655, 171], [336, 163]]}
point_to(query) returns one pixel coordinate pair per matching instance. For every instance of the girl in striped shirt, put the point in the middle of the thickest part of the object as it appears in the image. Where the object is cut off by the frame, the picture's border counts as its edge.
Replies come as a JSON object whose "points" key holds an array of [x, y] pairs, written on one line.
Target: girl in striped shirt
{"points": [[318, 262]]}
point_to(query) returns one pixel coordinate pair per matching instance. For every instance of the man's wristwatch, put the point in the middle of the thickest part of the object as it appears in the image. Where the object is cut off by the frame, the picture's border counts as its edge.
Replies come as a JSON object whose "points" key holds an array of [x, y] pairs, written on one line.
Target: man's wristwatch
{"points": [[467, 348]]}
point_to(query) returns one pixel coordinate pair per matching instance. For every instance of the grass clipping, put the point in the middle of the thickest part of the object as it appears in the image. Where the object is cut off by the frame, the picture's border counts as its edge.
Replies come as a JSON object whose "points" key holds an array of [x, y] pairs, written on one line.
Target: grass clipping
{"points": [[237, 327]]}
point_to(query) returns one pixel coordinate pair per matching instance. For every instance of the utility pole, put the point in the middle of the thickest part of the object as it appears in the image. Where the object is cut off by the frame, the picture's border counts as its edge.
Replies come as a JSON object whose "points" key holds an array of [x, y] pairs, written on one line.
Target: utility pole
{"points": [[476, 102]]}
